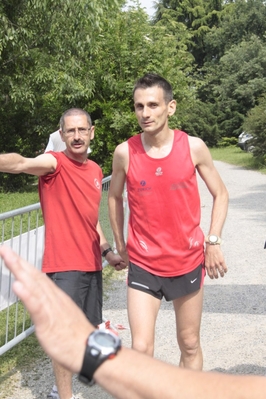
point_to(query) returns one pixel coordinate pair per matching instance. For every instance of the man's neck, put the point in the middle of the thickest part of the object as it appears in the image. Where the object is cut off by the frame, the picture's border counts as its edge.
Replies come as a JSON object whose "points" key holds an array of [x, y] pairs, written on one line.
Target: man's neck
{"points": [[81, 158], [158, 145]]}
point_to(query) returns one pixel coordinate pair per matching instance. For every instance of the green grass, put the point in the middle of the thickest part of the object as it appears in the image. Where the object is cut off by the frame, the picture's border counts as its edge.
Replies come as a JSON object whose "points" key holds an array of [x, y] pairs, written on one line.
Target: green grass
{"points": [[29, 349], [10, 201], [17, 225], [22, 357], [235, 156], [18, 321], [23, 354]]}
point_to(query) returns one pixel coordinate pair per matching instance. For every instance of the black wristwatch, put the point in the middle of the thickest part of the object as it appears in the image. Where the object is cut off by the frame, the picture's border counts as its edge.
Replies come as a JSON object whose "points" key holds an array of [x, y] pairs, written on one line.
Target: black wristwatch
{"points": [[106, 251], [101, 345]]}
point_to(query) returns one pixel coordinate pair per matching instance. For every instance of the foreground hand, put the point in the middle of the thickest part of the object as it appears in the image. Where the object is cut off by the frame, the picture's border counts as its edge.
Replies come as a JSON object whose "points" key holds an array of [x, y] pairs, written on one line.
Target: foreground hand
{"points": [[214, 261], [54, 314]]}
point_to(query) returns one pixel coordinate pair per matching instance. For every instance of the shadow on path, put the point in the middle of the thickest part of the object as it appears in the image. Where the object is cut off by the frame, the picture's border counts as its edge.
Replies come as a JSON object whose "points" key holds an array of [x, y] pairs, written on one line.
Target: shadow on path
{"points": [[245, 369], [239, 299]]}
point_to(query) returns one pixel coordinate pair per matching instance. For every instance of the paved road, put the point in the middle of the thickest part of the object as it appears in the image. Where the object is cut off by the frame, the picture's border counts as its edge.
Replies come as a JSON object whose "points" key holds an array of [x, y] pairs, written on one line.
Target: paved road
{"points": [[234, 318]]}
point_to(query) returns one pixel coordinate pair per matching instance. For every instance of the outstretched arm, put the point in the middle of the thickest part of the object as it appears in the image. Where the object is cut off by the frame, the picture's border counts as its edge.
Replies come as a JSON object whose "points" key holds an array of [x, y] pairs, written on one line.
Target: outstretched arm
{"points": [[39, 166], [214, 260], [62, 330]]}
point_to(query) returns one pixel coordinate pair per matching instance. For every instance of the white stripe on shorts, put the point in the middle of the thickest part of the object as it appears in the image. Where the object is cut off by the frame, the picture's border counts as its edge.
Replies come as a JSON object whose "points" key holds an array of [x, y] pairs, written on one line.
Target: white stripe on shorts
{"points": [[141, 285]]}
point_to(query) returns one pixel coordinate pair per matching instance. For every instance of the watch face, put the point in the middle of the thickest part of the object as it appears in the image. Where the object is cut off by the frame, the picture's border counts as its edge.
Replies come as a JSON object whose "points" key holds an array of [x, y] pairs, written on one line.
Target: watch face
{"points": [[103, 339], [103, 343], [213, 238]]}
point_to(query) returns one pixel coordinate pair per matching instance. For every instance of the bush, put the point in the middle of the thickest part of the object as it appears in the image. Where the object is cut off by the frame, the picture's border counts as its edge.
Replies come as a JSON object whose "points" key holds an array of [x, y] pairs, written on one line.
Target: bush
{"points": [[227, 141], [255, 124]]}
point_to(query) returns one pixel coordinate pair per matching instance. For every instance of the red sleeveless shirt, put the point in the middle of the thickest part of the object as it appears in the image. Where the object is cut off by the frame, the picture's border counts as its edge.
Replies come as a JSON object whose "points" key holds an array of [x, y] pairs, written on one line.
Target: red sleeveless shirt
{"points": [[70, 199], [164, 234]]}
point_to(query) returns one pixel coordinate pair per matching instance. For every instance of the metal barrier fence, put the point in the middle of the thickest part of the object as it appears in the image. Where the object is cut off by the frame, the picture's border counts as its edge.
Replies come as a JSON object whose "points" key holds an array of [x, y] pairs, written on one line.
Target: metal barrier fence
{"points": [[23, 230]]}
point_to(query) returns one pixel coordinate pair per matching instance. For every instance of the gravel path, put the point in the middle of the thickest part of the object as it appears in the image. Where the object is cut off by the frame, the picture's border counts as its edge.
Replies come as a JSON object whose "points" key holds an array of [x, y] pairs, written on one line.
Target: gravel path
{"points": [[234, 317]]}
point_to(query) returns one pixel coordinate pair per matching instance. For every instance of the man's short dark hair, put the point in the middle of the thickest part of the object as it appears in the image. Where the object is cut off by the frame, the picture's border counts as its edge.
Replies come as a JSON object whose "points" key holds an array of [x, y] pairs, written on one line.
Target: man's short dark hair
{"points": [[74, 111], [151, 80]]}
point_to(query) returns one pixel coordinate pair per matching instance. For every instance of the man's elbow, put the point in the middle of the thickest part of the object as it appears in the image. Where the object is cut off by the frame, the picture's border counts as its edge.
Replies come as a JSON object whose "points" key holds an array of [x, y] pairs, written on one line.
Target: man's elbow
{"points": [[224, 196]]}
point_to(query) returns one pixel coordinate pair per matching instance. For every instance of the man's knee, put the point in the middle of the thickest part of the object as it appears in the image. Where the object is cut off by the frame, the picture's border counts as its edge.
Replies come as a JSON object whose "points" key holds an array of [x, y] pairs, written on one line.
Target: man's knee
{"points": [[189, 343], [143, 347]]}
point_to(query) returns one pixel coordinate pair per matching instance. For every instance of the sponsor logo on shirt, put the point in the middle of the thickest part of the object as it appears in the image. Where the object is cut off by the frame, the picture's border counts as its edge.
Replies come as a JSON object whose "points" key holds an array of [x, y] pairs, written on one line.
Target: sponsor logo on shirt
{"points": [[192, 243], [178, 186], [143, 245], [159, 171], [97, 184], [143, 190]]}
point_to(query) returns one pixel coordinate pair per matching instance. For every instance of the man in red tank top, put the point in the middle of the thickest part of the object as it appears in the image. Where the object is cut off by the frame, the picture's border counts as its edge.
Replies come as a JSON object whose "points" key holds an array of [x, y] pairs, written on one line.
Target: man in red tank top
{"points": [[70, 193], [166, 250]]}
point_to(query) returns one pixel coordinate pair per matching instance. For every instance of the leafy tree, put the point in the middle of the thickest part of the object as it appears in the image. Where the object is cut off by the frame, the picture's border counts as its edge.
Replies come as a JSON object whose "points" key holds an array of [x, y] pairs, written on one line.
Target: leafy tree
{"points": [[238, 21], [44, 46], [255, 124], [200, 121], [242, 80], [227, 80], [59, 54], [199, 17], [130, 46]]}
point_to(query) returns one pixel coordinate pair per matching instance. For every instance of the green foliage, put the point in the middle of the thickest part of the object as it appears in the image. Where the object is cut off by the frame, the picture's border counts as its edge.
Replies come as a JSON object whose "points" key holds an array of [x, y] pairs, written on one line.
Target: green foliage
{"points": [[199, 16], [242, 80], [80, 54], [201, 122], [227, 142], [238, 21], [45, 67], [60, 54], [255, 124], [228, 44], [130, 47]]}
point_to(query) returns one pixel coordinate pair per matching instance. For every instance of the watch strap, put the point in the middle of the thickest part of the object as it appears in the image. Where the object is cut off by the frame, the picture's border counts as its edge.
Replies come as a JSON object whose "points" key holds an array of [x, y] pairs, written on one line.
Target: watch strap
{"points": [[106, 251], [101, 345], [91, 362]]}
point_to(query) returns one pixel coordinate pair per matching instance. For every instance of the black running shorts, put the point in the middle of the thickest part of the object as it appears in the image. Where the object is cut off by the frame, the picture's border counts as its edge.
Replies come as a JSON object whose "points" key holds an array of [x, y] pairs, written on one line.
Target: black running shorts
{"points": [[85, 288], [168, 287]]}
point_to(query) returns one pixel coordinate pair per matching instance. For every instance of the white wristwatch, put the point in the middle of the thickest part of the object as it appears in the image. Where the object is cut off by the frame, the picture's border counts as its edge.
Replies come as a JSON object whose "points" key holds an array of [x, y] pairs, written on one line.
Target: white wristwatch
{"points": [[213, 239]]}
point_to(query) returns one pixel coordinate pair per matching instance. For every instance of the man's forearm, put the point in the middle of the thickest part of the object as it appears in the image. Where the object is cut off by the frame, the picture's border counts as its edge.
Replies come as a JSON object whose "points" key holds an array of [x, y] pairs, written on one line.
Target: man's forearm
{"points": [[116, 213], [134, 375], [219, 213], [103, 241]]}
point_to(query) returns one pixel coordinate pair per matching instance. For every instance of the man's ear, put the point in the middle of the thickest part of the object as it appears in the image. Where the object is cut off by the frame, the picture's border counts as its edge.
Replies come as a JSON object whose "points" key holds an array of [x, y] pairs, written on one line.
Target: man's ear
{"points": [[62, 135], [92, 132], [171, 107]]}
